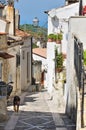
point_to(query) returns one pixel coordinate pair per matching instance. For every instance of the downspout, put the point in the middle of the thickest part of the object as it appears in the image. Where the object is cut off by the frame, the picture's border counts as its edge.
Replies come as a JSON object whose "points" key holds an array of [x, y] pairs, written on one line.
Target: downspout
{"points": [[80, 7], [31, 57], [14, 21]]}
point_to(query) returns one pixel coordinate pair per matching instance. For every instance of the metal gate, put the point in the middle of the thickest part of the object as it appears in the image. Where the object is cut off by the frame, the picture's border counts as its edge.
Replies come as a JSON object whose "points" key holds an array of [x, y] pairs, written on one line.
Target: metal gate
{"points": [[79, 68], [78, 61]]}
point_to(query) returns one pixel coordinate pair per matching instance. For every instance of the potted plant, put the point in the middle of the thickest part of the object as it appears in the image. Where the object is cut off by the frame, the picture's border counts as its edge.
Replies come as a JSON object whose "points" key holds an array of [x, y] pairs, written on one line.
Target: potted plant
{"points": [[59, 61], [59, 38], [52, 37]]}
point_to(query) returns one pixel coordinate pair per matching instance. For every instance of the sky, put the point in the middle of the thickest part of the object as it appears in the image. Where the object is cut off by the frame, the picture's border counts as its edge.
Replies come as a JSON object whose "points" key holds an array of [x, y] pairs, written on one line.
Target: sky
{"points": [[29, 9]]}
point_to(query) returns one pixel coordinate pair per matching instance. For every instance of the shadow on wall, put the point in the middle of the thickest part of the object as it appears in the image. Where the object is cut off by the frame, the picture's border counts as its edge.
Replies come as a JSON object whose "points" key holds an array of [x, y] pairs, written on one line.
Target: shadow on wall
{"points": [[70, 110]]}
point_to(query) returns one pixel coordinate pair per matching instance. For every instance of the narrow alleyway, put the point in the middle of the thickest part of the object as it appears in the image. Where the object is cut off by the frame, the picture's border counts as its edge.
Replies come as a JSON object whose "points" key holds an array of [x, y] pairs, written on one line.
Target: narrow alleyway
{"points": [[37, 112]]}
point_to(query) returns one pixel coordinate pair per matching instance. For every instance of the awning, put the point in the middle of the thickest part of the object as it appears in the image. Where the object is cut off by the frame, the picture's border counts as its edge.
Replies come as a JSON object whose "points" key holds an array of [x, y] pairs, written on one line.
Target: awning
{"points": [[5, 55]]}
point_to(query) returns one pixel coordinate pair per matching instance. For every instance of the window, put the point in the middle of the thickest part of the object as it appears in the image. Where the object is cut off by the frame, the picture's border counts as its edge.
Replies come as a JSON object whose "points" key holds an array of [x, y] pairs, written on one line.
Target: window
{"points": [[17, 60], [28, 67], [23, 55]]}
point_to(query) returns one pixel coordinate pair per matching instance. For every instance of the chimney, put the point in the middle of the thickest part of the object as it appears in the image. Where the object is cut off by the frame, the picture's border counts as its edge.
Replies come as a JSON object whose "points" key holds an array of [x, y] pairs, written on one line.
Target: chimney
{"points": [[17, 19], [10, 16]]}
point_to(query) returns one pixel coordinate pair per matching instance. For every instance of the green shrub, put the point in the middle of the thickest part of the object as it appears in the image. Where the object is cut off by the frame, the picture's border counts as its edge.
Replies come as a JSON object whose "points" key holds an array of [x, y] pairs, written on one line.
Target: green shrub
{"points": [[59, 59], [59, 36], [52, 36], [84, 57]]}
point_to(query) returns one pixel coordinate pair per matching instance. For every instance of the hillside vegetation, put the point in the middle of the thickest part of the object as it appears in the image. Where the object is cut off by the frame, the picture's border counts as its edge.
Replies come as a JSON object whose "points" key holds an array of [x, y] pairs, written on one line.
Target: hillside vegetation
{"points": [[37, 32]]}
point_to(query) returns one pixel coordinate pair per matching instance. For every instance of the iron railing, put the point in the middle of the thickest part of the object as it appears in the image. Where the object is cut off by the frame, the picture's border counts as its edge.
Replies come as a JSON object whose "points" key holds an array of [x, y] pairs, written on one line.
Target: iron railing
{"points": [[79, 68], [78, 61]]}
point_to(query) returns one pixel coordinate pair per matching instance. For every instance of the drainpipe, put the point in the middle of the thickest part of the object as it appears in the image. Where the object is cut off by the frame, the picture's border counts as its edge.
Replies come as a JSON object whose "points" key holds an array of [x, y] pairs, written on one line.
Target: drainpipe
{"points": [[31, 57]]}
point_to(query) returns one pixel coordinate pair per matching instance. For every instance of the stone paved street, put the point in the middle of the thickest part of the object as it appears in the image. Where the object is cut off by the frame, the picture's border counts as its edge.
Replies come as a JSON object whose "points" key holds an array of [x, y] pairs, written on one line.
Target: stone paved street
{"points": [[37, 112]]}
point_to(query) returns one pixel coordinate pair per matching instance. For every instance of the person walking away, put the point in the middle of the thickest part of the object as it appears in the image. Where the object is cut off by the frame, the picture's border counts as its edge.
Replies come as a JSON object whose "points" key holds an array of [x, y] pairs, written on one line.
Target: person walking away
{"points": [[16, 103]]}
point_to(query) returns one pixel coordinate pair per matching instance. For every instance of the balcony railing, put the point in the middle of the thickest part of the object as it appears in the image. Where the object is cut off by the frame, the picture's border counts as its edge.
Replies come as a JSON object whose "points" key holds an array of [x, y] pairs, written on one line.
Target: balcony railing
{"points": [[80, 73], [78, 60]]}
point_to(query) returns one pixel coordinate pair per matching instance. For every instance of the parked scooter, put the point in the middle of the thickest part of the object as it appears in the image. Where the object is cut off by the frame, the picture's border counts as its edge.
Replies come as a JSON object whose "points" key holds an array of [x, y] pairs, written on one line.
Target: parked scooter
{"points": [[8, 89]]}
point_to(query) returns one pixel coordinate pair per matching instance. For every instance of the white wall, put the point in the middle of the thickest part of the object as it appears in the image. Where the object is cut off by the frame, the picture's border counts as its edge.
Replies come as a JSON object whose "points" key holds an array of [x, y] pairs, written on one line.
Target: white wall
{"points": [[26, 48], [58, 20], [61, 22], [50, 65], [3, 25], [39, 58], [77, 26], [74, 25], [44, 65], [80, 32]]}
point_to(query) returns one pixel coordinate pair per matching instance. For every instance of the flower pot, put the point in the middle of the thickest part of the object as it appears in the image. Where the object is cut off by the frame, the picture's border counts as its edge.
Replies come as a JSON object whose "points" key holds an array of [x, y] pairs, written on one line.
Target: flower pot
{"points": [[58, 70], [52, 37], [58, 41], [50, 40]]}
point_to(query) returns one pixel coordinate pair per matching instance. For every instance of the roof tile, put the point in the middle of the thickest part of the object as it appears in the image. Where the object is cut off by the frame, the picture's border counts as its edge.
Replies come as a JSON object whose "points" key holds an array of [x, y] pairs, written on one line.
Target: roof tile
{"points": [[21, 33], [40, 51]]}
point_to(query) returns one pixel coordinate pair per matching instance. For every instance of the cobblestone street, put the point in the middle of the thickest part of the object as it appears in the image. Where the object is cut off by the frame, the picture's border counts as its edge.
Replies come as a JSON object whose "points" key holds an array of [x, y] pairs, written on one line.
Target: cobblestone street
{"points": [[37, 112]]}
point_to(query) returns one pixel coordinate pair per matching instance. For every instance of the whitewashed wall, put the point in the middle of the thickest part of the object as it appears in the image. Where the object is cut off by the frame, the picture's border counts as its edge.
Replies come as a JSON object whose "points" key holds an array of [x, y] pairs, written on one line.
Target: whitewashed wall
{"points": [[58, 20], [74, 25], [39, 58], [77, 26], [50, 66], [44, 65]]}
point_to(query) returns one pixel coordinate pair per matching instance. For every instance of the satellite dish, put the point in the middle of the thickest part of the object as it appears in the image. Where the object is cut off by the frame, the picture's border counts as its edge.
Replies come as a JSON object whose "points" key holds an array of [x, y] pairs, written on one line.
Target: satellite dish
{"points": [[55, 21]]}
